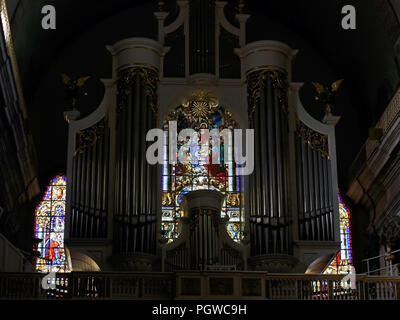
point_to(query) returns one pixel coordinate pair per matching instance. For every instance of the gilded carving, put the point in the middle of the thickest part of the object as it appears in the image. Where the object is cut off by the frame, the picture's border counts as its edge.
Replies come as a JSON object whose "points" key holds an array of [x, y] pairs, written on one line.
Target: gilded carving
{"points": [[148, 79], [256, 82], [88, 137], [313, 139], [198, 108]]}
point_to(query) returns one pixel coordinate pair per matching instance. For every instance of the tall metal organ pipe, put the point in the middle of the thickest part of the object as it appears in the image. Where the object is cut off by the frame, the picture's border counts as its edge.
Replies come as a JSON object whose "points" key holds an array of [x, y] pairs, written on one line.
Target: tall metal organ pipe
{"points": [[269, 203], [135, 210]]}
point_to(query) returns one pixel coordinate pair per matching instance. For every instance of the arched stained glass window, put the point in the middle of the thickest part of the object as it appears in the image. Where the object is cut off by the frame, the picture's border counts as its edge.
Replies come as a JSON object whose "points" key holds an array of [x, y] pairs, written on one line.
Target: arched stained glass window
{"points": [[49, 227], [178, 179], [343, 261]]}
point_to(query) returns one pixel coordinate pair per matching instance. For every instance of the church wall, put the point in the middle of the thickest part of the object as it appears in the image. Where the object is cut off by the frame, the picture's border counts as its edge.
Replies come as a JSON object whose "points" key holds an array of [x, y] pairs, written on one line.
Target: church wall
{"points": [[18, 177]]}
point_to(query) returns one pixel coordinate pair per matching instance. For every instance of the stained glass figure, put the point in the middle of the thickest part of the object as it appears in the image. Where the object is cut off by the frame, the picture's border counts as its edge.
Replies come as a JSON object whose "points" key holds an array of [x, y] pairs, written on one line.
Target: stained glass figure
{"points": [[200, 112], [343, 262], [49, 228]]}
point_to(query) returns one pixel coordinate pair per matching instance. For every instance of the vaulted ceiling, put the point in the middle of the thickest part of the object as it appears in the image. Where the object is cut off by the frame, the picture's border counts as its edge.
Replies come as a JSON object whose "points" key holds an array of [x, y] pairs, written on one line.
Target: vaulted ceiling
{"points": [[365, 58]]}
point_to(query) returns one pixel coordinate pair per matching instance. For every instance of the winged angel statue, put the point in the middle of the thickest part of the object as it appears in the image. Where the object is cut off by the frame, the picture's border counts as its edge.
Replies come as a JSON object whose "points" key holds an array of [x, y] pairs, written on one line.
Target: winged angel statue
{"points": [[326, 94], [73, 85]]}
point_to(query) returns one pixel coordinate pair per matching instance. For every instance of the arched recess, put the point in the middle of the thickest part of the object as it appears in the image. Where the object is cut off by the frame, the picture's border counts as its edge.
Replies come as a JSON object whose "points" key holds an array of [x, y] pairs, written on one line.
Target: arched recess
{"points": [[204, 170], [231, 94]]}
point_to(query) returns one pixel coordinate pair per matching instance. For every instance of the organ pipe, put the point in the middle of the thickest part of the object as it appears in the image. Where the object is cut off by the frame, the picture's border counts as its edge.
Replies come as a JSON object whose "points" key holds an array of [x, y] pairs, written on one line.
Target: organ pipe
{"points": [[90, 179], [269, 220], [314, 184], [135, 214]]}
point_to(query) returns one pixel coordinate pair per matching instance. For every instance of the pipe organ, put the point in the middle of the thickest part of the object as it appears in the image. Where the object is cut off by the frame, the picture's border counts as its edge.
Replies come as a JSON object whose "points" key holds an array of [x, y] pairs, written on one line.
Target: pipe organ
{"points": [[134, 218], [203, 243], [89, 205], [114, 212], [268, 116], [314, 185]]}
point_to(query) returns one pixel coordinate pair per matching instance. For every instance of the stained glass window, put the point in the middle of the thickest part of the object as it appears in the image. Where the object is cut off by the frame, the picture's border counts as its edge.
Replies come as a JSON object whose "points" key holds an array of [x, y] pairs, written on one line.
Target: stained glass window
{"points": [[49, 228], [179, 179], [343, 262]]}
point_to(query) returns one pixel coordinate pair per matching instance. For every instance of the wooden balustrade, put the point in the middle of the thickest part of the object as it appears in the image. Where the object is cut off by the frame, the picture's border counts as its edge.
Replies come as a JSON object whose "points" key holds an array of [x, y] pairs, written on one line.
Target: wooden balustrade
{"points": [[209, 285]]}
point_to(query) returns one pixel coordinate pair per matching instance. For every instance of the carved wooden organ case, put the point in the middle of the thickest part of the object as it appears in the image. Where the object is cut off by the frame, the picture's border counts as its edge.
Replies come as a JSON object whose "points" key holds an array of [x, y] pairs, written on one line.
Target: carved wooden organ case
{"points": [[114, 194]]}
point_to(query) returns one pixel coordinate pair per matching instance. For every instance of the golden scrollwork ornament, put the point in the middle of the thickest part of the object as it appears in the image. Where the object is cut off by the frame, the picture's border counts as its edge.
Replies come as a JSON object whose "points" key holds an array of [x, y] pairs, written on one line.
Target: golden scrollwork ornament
{"points": [[199, 105], [148, 78], [312, 138], [88, 137], [256, 82]]}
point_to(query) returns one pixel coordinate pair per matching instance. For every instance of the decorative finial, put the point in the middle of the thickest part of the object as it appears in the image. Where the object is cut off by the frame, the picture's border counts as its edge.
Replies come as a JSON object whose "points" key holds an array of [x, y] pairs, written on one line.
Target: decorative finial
{"points": [[161, 5], [325, 94]]}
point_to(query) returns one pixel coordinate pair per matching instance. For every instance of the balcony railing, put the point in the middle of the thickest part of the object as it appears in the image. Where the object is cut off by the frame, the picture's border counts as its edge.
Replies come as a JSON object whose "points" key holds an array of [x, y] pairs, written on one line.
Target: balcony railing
{"points": [[195, 285]]}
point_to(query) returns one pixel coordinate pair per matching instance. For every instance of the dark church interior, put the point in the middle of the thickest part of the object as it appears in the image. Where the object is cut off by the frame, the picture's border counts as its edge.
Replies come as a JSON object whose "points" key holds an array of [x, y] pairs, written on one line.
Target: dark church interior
{"points": [[85, 215]]}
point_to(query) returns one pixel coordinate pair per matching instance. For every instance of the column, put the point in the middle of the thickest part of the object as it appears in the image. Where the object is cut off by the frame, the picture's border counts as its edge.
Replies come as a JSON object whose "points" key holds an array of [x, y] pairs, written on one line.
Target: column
{"points": [[137, 64], [266, 67]]}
